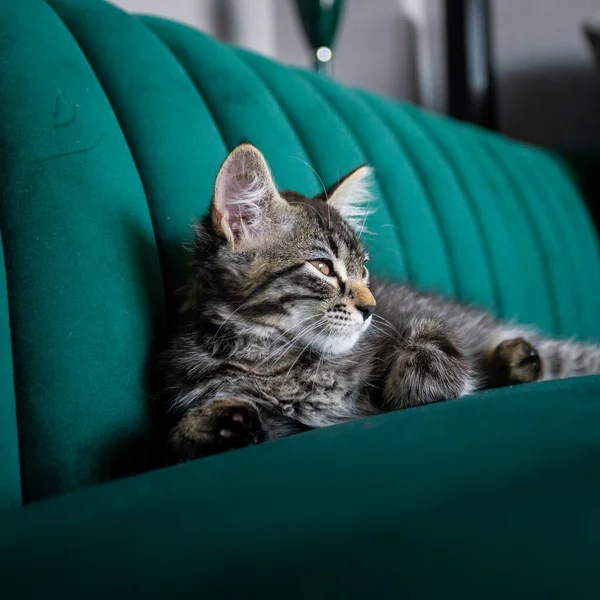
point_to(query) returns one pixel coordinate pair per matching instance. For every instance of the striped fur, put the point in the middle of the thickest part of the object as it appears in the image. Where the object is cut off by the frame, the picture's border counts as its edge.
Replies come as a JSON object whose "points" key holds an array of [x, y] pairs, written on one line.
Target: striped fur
{"points": [[275, 336]]}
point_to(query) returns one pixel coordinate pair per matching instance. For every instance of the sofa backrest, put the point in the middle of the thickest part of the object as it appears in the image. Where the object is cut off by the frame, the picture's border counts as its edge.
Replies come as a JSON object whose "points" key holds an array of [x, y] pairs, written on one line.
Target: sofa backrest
{"points": [[112, 129]]}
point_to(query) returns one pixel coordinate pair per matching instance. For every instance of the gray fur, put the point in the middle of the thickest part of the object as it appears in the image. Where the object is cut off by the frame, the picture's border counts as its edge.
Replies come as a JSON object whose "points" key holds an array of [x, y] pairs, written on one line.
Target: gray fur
{"points": [[267, 340]]}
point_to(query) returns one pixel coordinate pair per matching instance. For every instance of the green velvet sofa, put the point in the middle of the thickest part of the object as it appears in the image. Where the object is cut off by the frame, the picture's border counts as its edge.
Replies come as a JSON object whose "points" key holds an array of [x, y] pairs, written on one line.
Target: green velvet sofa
{"points": [[112, 128]]}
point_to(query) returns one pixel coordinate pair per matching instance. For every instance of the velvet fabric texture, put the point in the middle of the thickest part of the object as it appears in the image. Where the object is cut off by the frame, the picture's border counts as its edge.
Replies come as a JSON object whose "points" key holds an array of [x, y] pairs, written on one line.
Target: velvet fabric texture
{"points": [[112, 128], [490, 499]]}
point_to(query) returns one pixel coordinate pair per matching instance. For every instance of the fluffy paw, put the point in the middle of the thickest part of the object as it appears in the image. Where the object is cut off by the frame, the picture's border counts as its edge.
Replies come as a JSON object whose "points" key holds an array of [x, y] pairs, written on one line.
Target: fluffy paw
{"points": [[515, 361], [429, 366], [219, 427]]}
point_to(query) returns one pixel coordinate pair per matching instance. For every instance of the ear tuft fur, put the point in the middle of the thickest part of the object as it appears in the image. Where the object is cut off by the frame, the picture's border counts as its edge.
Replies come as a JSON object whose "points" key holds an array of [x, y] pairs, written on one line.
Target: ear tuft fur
{"points": [[352, 196], [243, 198]]}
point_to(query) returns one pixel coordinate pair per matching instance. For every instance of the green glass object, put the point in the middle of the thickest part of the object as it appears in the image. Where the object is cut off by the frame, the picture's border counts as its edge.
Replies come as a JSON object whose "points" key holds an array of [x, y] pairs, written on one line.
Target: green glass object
{"points": [[320, 20]]}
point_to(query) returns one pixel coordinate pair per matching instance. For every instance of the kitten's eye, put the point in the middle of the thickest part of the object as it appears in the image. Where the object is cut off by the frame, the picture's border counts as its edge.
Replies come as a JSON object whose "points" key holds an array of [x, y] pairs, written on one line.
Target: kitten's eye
{"points": [[324, 266], [365, 272]]}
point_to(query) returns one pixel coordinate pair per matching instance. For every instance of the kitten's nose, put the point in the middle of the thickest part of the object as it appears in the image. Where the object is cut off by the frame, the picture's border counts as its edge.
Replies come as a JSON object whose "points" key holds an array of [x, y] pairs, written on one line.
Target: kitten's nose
{"points": [[363, 300], [367, 310]]}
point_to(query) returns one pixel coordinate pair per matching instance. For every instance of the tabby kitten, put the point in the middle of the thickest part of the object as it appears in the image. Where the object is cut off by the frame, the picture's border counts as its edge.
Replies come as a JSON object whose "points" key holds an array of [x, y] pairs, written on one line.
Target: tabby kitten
{"points": [[282, 328]]}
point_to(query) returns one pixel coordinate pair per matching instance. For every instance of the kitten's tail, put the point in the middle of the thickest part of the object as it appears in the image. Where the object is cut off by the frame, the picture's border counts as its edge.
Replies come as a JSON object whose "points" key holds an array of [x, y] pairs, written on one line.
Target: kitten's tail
{"points": [[562, 358]]}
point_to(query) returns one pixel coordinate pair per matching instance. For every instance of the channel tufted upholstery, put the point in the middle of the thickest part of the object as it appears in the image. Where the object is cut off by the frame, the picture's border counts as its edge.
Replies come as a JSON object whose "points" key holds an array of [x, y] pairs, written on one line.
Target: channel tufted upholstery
{"points": [[112, 128]]}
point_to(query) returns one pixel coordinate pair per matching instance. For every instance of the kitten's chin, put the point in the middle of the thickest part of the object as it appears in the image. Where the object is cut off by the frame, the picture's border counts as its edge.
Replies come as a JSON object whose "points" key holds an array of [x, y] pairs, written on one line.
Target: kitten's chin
{"points": [[342, 343], [337, 346]]}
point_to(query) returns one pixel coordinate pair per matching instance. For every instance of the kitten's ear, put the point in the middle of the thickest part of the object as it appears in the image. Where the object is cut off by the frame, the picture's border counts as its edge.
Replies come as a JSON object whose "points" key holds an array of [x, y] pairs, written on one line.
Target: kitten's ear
{"points": [[351, 195], [245, 198]]}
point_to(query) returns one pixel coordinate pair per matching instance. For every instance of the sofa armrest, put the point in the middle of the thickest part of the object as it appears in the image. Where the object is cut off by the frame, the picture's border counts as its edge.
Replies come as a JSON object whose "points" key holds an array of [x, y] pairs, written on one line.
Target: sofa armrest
{"points": [[492, 496]]}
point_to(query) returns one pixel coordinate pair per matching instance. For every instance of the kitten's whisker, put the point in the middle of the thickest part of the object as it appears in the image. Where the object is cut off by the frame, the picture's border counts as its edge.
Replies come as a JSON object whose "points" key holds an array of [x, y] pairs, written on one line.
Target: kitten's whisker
{"points": [[290, 344], [301, 352], [243, 305], [362, 228], [384, 327], [315, 172], [308, 318], [311, 328], [382, 331], [385, 321]]}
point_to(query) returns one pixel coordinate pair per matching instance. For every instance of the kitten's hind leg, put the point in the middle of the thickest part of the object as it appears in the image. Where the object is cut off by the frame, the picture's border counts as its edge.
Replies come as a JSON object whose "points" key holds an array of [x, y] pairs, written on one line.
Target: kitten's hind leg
{"points": [[428, 364], [523, 356], [217, 427]]}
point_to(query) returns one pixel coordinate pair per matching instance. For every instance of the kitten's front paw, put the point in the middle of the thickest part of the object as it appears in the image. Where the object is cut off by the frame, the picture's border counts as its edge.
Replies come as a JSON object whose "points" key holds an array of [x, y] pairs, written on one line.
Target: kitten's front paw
{"points": [[514, 361], [219, 427], [429, 366]]}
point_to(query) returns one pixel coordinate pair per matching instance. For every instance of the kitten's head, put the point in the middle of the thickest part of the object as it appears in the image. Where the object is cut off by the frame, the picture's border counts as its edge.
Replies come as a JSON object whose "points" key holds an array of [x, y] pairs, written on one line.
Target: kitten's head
{"points": [[276, 263]]}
